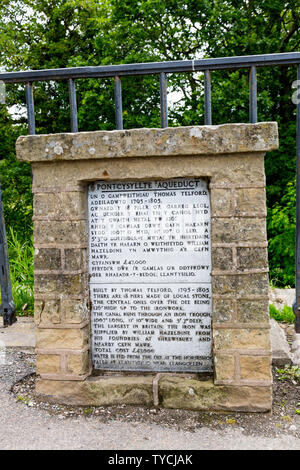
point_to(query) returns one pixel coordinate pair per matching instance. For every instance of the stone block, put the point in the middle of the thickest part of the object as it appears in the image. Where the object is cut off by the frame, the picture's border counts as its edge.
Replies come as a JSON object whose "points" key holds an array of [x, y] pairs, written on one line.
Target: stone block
{"points": [[253, 311], [60, 232], [223, 310], [44, 205], [252, 258], [249, 200], [75, 259], [281, 353], [75, 311], [222, 201], [238, 338], [78, 364], [47, 312], [238, 230], [48, 364], [72, 205], [190, 140], [241, 285], [47, 258], [191, 394], [231, 158], [222, 258], [224, 367], [57, 284], [99, 391], [255, 368], [60, 338]]}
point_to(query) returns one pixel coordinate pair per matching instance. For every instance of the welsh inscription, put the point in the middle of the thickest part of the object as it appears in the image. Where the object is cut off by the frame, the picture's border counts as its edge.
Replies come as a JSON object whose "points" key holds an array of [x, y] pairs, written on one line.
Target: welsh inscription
{"points": [[150, 275]]}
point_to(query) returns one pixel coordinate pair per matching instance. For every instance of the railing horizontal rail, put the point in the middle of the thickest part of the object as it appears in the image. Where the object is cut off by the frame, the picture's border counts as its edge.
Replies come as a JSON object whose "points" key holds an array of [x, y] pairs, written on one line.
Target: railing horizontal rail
{"points": [[153, 67]]}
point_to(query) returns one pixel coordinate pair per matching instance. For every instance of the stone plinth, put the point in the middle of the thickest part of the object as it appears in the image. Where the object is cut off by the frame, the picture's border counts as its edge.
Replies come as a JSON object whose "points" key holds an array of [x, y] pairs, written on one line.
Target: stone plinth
{"points": [[231, 158]]}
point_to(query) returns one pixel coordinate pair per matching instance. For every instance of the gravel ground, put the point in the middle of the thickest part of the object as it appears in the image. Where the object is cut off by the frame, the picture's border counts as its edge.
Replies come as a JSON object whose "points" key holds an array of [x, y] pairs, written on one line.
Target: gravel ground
{"points": [[28, 424]]}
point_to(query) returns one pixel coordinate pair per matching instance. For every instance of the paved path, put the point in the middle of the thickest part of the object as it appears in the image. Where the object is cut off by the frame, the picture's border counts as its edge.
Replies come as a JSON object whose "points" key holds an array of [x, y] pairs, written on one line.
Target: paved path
{"points": [[20, 335], [23, 427]]}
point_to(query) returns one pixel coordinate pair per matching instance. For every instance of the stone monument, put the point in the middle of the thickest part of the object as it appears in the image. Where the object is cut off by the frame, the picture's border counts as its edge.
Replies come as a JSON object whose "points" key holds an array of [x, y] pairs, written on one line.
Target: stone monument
{"points": [[151, 270]]}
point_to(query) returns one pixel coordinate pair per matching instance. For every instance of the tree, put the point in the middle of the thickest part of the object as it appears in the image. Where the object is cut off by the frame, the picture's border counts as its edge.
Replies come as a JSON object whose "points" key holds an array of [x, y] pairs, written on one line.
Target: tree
{"points": [[64, 33], [15, 179]]}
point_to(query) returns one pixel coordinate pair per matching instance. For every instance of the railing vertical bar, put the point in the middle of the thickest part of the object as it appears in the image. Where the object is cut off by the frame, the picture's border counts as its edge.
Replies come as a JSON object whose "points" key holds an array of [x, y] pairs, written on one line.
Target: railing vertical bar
{"points": [[118, 103], [207, 98], [297, 309], [30, 108], [73, 105], [163, 100], [253, 96]]}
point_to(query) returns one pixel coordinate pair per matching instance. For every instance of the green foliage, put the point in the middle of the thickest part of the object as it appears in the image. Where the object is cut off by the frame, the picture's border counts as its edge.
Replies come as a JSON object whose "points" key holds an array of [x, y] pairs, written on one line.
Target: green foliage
{"points": [[15, 180], [23, 399], [285, 314], [289, 373], [21, 272], [281, 235]]}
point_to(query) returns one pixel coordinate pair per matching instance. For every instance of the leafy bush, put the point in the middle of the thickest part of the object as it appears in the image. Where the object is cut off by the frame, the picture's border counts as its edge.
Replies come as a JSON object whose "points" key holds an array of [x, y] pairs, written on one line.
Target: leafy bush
{"points": [[21, 272], [291, 373], [286, 314], [281, 235]]}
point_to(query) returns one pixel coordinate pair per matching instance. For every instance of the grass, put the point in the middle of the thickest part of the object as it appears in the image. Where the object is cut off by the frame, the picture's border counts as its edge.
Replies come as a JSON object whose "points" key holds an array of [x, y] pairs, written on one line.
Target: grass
{"points": [[285, 314], [21, 273]]}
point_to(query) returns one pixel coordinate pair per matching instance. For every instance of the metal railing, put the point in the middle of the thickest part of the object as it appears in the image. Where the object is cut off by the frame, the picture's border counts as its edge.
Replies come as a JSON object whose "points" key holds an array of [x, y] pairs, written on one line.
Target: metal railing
{"points": [[206, 66]]}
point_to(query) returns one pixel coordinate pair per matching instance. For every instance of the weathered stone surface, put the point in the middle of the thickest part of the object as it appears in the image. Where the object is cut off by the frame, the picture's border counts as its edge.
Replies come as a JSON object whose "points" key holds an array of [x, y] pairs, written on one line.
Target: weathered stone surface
{"points": [[281, 354], [47, 312], [58, 284], [99, 391], [78, 364], [196, 140], [224, 367], [253, 311], [48, 364], [75, 258], [60, 232], [296, 349], [223, 170], [255, 368], [62, 338], [75, 311], [222, 258], [251, 200], [72, 205], [223, 310], [238, 338], [238, 230], [252, 258], [47, 258], [241, 285], [222, 202], [191, 394], [44, 205], [174, 392]]}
